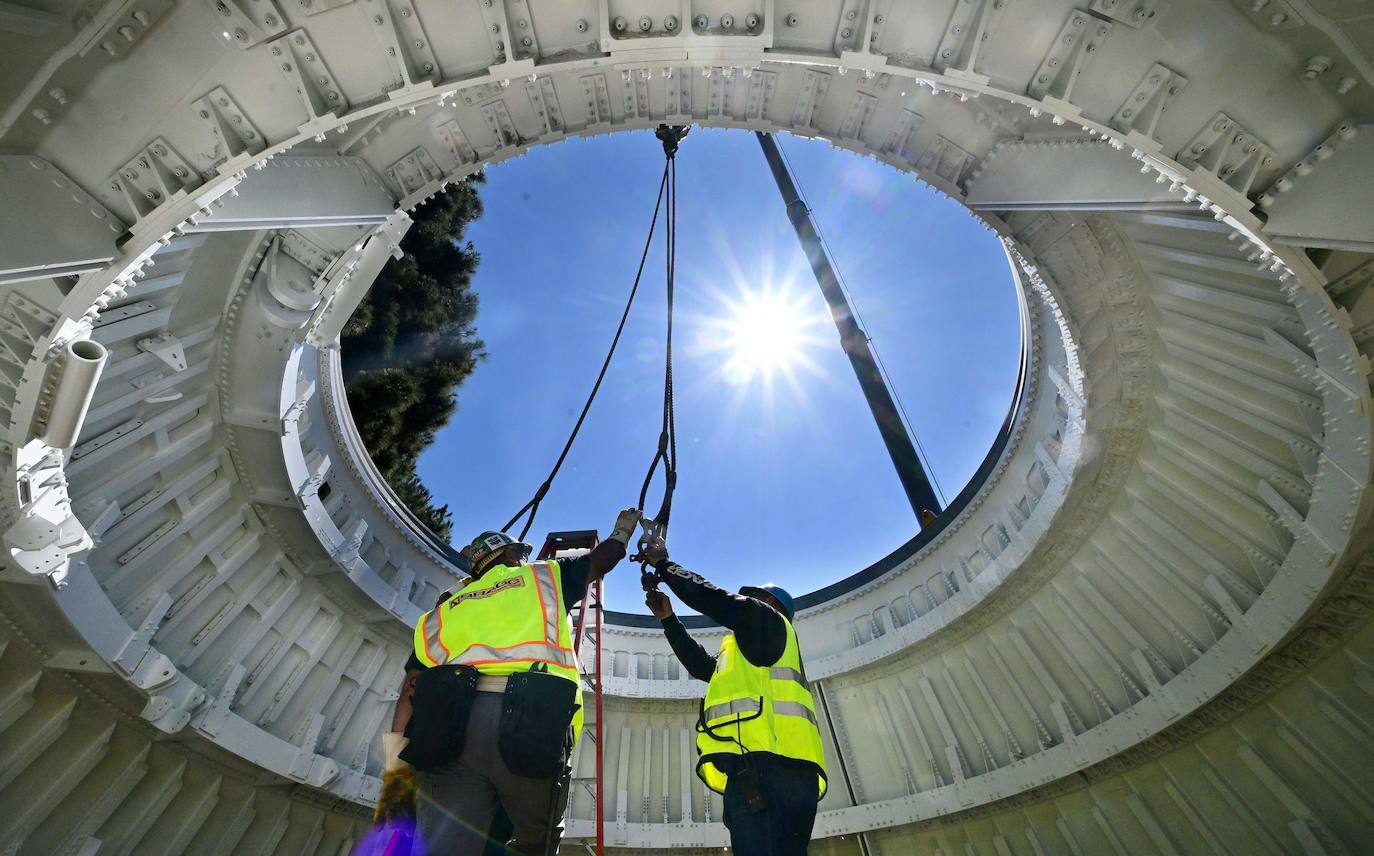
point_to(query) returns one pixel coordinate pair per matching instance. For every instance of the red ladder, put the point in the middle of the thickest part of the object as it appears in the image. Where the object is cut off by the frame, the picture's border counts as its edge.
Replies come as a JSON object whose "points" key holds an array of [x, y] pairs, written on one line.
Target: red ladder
{"points": [[562, 545]]}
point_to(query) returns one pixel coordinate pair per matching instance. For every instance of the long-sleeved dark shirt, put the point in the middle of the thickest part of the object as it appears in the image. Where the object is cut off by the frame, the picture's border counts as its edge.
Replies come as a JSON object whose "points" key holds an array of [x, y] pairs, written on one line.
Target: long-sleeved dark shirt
{"points": [[759, 630]]}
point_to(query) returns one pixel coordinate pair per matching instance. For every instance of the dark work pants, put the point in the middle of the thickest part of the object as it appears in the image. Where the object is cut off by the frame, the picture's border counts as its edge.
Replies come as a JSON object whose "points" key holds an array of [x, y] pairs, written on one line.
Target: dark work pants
{"points": [[500, 832], [458, 804], [784, 827]]}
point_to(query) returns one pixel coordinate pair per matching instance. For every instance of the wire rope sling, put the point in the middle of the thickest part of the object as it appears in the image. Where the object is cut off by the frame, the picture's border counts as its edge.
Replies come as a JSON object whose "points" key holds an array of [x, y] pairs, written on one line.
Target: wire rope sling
{"points": [[666, 453]]}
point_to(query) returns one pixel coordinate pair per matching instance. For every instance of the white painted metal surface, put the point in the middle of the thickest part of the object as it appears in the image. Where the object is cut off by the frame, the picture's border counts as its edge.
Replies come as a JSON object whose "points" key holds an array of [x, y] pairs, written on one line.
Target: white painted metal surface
{"points": [[1148, 631]]}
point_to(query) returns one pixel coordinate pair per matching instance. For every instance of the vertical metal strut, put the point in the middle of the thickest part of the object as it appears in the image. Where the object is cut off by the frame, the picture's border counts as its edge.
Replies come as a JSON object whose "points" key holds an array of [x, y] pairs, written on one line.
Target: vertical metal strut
{"points": [[854, 341]]}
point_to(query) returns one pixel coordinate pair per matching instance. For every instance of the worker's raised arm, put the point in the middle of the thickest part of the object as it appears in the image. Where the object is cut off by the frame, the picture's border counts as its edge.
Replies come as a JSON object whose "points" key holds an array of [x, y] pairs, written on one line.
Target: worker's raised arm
{"points": [[760, 631], [693, 656], [578, 572], [603, 558], [608, 553]]}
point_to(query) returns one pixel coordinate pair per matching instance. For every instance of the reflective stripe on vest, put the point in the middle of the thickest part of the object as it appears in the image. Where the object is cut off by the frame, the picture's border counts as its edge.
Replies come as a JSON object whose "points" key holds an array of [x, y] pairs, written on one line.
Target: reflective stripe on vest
{"points": [[531, 652], [510, 620], [732, 708], [792, 708], [432, 627], [752, 708], [786, 673], [509, 617]]}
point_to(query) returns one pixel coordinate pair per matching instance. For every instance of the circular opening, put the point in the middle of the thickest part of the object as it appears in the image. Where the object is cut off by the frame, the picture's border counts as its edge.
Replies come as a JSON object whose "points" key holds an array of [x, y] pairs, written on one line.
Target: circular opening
{"points": [[87, 350], [783, 472]]}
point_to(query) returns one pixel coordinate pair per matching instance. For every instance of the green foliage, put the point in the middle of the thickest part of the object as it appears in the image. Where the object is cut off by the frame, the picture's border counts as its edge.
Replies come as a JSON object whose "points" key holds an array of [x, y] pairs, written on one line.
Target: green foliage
{"points": [[412, 342]]}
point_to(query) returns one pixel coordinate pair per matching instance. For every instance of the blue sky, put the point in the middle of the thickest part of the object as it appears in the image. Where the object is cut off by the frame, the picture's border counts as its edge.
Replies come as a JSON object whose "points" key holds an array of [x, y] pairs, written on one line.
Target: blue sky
{"points": [[783, 476]]}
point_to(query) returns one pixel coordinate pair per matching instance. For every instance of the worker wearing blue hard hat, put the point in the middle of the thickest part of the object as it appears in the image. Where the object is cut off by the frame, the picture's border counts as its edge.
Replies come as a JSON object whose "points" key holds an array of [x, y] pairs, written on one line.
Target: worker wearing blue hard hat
{"points": [[758, 737]]}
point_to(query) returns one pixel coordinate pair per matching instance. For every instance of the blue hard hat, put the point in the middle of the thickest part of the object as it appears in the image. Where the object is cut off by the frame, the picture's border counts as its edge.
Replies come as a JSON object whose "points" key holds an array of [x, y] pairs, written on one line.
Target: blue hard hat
{"points": [[778, 593]]}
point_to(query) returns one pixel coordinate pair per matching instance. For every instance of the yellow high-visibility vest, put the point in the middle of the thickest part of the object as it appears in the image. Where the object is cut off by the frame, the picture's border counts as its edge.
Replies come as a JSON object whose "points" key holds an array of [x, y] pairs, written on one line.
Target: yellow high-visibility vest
{"points": [[752, 708], [506, 622]]}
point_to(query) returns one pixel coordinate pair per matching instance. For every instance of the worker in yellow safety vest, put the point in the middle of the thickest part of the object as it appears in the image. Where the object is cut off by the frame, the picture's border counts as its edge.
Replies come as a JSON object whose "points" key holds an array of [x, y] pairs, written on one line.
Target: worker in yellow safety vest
{"points": [[758, 737], [496, 702], [394, 814]]}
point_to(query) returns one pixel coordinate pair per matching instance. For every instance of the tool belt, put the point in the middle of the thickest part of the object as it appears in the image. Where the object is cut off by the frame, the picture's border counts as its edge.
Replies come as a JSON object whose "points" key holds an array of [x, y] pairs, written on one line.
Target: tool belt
{"points": [[535, 737], [442, 705], [492, 683]]}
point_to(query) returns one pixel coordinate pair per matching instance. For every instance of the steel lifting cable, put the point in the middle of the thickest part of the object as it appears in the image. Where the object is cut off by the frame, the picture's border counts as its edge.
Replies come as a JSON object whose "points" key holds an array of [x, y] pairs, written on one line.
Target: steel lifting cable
{"points": [[532, 507], [667, 437], [667, 443]]}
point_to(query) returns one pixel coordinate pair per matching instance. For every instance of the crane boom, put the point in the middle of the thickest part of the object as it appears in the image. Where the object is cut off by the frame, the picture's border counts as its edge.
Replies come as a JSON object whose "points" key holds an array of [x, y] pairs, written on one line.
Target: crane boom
{"points": [[854, 341]]}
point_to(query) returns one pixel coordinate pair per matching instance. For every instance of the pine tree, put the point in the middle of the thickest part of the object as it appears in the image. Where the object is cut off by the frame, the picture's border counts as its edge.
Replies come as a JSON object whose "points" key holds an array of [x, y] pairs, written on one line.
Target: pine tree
{"points": [[412, 342]]}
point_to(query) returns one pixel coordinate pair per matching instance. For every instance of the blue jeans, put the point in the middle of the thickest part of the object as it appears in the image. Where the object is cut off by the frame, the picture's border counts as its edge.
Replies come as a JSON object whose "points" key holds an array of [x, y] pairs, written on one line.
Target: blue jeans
{"points": [[783, 828]]}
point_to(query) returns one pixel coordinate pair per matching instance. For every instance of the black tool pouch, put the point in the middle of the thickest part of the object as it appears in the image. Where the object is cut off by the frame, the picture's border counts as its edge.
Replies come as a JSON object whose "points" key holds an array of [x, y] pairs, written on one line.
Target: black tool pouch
{"points": [[439, 723], [749, 779], [536, 713]]}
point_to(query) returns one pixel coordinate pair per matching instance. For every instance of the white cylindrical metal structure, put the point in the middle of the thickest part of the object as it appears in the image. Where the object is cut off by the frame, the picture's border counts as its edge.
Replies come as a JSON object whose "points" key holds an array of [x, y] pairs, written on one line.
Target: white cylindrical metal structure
{"points": [[83, 361], [1146, 627]]}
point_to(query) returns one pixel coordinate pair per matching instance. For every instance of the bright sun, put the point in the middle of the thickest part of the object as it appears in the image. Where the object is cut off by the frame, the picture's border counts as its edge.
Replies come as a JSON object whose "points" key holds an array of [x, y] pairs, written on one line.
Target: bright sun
{"points": [[766, 332]]}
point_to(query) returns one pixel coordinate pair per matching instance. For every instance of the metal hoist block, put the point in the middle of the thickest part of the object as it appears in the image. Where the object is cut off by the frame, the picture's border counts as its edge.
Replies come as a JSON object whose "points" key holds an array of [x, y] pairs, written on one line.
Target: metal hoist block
{"points": [[247, 22], [1080, 37], [234, 134]]}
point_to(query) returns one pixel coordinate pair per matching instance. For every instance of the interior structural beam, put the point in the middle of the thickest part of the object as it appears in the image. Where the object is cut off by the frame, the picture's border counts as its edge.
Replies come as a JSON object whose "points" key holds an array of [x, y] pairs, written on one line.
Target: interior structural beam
{"points": [[304, 192], [854, 340], [57, 230]]}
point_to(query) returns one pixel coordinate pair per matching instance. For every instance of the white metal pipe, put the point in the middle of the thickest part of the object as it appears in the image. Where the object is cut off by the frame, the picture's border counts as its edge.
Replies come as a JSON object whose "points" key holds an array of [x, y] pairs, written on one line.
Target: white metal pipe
{"points": [[82, 365]]}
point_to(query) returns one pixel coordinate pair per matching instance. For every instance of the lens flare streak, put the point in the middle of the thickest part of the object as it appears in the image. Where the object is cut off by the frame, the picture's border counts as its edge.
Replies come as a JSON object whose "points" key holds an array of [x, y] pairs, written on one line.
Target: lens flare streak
{"points": [[765, 333]]}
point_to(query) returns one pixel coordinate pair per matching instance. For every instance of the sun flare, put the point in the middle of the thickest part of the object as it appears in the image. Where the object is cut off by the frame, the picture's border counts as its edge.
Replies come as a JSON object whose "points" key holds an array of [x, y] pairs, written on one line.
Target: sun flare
{"points": [[766, 332]]}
